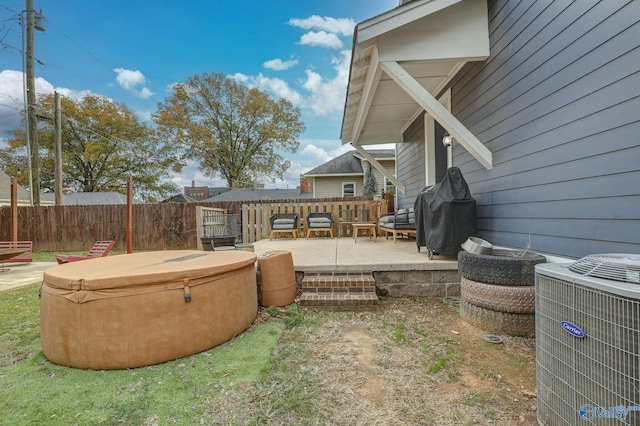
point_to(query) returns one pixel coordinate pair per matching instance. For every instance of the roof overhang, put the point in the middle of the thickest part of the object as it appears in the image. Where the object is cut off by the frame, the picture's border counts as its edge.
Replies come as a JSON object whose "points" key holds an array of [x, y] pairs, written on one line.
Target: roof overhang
{"points": [[327, 175], [402, 60]]}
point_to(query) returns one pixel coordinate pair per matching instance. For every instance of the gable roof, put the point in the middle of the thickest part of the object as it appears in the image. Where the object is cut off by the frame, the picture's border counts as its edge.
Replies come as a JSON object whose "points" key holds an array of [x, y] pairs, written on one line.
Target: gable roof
{"points": [[401, 62], [250, 194], [349, 163], [180, 198]]}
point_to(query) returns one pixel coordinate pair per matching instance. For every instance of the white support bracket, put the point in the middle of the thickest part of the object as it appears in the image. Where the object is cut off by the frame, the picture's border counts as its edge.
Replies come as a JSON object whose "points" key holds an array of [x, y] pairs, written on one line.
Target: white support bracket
{"points": [[399, 185], [447, 120]]}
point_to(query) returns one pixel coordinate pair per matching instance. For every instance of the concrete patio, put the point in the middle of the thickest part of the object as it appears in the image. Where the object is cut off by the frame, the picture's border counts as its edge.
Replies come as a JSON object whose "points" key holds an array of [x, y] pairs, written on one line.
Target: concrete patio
{"points": [[21, 274], [399, 269], [347, 254]]}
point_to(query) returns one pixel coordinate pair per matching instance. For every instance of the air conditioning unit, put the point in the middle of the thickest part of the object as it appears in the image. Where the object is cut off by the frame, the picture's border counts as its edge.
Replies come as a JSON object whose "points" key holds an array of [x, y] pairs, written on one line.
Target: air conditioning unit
{"points": [[588, 341]]}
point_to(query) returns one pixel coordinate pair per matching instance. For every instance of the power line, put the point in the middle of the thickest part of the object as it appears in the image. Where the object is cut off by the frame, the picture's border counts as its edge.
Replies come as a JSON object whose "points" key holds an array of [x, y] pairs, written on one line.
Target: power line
{"points": [[10, 115], [8, 8], [18, 102], [79, 45]]}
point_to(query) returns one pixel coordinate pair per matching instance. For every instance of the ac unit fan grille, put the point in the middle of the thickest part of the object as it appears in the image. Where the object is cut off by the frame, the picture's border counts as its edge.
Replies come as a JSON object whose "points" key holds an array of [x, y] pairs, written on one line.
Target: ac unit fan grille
{"points": [[602, 369], [617, 267]]}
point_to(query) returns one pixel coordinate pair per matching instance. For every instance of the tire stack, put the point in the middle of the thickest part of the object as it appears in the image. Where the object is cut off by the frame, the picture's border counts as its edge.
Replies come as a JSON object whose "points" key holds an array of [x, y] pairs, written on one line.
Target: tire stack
{"points": [[497, 291]]}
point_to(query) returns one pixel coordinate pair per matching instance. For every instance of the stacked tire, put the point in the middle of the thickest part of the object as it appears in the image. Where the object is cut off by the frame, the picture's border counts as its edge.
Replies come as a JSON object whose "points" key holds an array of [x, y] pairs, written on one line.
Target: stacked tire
{"points": [[497, 291]]}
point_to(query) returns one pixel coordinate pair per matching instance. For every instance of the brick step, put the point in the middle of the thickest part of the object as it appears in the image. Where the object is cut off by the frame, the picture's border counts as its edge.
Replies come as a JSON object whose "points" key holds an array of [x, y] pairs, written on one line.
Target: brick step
{"points": [[338, 291], [339, 301], [348, 282]]}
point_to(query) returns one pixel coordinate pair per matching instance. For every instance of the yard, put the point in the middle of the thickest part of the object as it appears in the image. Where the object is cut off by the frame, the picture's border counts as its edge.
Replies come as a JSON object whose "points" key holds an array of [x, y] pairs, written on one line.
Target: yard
{"points": [[409, 362]]}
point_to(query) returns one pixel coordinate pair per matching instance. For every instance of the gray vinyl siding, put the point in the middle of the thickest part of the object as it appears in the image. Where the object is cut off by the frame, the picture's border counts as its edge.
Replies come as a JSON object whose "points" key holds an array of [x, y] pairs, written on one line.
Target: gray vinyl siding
{"points": [[558, 104], [389, 166], [331, 186], [410, 155]]}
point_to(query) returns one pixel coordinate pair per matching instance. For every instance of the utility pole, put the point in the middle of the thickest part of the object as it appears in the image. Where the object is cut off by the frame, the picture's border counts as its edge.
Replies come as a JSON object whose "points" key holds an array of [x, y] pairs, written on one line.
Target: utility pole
{"points": [[31, 113], [57, 143]]}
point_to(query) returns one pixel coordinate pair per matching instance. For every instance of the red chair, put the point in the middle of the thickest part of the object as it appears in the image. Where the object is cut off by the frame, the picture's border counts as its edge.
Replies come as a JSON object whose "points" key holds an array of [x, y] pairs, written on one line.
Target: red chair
{"points": [[99, 249]]}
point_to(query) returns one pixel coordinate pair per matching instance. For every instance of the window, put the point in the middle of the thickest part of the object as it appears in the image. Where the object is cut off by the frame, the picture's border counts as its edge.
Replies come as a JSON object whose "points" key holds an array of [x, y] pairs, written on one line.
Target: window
{"points": [[348, 189], [389, 186]]}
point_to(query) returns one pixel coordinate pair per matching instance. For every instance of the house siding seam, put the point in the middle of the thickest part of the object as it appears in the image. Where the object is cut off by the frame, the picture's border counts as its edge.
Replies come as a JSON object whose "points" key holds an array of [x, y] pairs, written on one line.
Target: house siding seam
{"points": [[411, 154], [557, 105]]}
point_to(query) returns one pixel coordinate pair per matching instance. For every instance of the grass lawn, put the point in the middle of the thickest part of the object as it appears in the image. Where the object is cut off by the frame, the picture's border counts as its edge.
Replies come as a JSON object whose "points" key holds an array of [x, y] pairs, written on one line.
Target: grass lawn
{"points": [[35, 391], [409, 362], [50, 256]]}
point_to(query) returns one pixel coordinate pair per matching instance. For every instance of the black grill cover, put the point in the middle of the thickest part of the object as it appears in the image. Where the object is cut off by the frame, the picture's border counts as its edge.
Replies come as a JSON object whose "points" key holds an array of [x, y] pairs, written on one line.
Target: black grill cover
{"points": [[445, 214]]}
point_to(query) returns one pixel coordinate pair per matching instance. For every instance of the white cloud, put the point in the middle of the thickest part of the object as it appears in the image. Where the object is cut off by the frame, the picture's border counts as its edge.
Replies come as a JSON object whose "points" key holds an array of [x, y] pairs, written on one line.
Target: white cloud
{"points": [[130, 80], [276, 86], [322, 39], [320, 155], [326, 96], [243, 78], [74, 94], [342, 26], [145, 115], [12, 97], [145, 93], [191, 172], [323, 96], [280, 65]]}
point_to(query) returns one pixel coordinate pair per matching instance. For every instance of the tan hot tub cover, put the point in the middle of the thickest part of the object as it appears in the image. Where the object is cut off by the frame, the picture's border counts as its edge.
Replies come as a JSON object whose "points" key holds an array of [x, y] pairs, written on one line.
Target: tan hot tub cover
{"points": [[140, 309]]}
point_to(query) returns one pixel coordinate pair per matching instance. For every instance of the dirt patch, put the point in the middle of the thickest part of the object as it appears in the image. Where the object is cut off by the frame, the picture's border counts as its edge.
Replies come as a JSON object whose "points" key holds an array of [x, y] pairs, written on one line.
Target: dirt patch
{"points": [[417, 362], [412, 362], [367, 357]]}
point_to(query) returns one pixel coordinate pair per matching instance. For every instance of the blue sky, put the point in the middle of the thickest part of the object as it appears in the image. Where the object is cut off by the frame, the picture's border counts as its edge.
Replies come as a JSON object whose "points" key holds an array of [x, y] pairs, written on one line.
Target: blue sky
{"points": [[132, 51]]}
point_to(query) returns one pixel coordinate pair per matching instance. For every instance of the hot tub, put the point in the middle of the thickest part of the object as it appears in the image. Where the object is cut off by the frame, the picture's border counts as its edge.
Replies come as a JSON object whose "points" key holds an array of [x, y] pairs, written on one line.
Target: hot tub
{"points": [[140, 309]]}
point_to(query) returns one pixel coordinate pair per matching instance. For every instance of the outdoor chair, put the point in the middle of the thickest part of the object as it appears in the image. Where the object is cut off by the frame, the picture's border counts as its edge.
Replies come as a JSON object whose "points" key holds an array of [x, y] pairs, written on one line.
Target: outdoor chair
{"points": [[320, 221], [284, 223], [99, 249], [402, 222]]}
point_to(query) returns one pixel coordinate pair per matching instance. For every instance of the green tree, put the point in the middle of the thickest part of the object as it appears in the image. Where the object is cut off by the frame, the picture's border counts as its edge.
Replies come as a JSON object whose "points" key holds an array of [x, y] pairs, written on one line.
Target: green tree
{"points": [[370, 183], [102, 143], [229, 128]]}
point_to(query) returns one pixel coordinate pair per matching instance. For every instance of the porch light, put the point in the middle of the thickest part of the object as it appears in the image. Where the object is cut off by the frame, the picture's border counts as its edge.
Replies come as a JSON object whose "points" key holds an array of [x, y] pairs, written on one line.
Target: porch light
{"points": [[447, 141]]}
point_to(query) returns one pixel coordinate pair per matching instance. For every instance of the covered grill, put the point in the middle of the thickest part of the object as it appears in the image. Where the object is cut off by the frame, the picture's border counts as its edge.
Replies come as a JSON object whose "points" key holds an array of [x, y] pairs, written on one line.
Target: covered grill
{"points": [[445, 215]]}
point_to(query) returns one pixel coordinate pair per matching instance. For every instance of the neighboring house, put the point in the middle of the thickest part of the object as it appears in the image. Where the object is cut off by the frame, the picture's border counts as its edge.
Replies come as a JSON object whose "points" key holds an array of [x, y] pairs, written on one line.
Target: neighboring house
{"points": [[93, 198], [541, 97], [23, 198], [201, 193], [344, 175], [180, 198], [250, 194]]}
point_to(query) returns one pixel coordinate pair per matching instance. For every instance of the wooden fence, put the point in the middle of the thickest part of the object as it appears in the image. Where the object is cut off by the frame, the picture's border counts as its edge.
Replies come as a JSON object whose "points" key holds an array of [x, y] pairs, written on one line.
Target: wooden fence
{"points": [[164, 226], [345, 212]]}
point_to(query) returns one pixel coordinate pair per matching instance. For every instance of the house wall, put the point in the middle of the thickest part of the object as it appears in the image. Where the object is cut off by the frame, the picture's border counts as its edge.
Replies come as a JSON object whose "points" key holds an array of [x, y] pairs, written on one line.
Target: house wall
{"points": [[389, 166], [330, 186], [557, 103], [411, 155]]}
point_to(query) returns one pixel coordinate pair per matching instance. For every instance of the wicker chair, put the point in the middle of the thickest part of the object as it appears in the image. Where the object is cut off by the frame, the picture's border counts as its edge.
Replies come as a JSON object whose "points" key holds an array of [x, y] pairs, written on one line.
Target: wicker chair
{"points": [[320, 221], [284, 223]]}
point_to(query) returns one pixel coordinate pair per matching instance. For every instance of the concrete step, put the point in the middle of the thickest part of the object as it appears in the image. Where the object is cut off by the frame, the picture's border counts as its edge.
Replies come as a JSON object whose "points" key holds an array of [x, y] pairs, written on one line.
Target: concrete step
{"points": [[338, 291]]}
